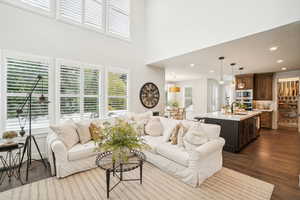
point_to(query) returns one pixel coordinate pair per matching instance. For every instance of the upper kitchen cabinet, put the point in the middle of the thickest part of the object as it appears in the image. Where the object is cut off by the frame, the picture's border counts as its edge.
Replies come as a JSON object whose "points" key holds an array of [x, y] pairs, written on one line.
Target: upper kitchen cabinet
{"points": [[263, 86], [244, 82]]}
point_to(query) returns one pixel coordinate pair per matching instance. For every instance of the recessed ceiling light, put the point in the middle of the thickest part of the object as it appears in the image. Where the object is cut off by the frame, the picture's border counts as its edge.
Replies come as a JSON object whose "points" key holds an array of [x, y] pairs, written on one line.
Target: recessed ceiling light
{"points": [[283, 68], [192, 65], [211, 71], [279, 61], [273, 48]]}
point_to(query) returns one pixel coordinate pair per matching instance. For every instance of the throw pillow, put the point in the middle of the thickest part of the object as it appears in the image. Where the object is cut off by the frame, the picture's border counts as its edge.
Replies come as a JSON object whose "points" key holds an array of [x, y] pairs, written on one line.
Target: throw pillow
{"points": [[195, 137], [83, 131], [154, 127], [174, 136], [66, 132], [168, 125], [96, 131], [181, 133]]}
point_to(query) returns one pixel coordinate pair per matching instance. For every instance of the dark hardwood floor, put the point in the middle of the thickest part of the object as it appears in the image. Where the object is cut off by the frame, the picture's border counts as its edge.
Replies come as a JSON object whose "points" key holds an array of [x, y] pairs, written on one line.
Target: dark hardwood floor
{"points": [[274, 157], [36, 173]]}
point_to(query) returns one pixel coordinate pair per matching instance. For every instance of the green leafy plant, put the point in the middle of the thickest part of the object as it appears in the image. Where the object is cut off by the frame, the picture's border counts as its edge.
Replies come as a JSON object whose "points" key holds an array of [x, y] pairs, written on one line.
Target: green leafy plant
{"points": [[9, 135], [174, 104], [120, 138]]}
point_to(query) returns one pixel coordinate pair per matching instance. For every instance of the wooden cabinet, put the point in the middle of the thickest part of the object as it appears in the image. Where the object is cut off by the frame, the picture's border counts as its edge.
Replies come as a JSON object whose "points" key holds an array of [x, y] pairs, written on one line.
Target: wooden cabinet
{"points": [[246, 80], [237, 134], [263, 86], [266, 119]]}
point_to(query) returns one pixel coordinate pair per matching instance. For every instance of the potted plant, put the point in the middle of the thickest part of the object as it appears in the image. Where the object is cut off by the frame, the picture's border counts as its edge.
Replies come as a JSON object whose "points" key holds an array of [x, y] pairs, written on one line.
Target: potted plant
{"points": [[9, 136], [120, 138]]}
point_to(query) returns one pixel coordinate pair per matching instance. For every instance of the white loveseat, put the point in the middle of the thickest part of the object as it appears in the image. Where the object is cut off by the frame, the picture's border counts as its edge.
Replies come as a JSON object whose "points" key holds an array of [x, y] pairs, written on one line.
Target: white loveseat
{"points": [[190, 166]]}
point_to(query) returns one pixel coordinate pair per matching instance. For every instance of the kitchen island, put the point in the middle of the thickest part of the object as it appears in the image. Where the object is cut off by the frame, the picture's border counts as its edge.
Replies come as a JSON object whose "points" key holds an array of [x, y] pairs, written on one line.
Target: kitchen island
{"points": [[237, 129]]}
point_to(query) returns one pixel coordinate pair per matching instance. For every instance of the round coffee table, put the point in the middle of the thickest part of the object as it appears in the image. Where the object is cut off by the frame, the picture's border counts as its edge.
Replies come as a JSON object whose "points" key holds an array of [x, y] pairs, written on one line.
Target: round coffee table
{"points": [[135, 160]]}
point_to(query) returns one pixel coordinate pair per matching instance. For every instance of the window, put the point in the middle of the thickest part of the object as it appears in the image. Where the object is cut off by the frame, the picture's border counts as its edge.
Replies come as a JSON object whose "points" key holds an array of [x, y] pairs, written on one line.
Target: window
{"points": [[84, 12], [188, 97], [39, 6], [79, 93], [117, 97], [111, 17], [20, 75], [118, 17]]}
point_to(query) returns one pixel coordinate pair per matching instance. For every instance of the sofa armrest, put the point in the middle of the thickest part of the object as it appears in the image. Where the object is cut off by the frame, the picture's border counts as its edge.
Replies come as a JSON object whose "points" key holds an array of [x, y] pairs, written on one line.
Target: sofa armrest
{"points": [[60, 151], [210, 147]]}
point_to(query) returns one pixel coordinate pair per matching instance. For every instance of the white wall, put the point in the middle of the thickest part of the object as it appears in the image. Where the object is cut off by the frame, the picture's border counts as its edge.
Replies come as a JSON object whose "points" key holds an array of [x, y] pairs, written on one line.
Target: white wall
{"points": [[199, 87], [27, 32], [176, 27], [30, 33]]}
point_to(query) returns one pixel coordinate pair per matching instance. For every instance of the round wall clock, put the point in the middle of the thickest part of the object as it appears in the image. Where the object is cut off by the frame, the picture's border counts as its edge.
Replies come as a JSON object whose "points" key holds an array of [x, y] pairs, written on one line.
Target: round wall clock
{"points": [[149, 95]]}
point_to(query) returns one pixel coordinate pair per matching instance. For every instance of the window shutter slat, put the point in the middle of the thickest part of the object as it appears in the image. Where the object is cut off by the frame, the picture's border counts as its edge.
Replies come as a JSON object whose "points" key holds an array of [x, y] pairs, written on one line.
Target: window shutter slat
{"points": [[91, 88], [94, 13], [70, 89], [20, 78], [117, 91], [122, 5], [119, 17], [71, 9], [42, 4]]}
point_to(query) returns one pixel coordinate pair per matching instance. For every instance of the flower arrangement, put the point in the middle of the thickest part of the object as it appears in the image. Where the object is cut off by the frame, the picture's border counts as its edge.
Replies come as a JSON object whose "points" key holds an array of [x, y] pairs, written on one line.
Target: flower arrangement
{"points": [[120, 138]]}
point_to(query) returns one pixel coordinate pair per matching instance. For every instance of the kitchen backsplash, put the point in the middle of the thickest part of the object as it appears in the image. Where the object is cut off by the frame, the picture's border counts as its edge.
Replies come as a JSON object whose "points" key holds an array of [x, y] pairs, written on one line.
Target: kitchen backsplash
{"points": [[264, 105]]}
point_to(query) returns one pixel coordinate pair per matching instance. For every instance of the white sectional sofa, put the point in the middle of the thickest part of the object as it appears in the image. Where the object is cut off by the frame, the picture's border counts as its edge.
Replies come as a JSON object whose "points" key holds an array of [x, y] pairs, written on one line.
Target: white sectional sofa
{"points": [[190, 166]]}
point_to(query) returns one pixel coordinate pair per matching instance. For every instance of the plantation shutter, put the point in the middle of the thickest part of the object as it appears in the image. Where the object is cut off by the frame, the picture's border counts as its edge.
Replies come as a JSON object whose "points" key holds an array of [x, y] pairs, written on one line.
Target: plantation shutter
{"points": [[94, 13], [69, 92], [117, 91], [91, 93], [20, 78], [119, 17], [71, 9], [42, 4]]}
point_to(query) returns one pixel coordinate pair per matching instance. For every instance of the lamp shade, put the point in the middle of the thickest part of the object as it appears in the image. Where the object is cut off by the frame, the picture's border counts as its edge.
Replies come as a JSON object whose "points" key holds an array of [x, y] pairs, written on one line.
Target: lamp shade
{"points": [[174, 89]]}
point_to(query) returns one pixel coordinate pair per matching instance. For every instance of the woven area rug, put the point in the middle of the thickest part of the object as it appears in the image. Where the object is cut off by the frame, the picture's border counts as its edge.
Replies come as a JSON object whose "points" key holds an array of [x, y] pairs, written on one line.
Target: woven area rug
{"points": [[157, 185]]}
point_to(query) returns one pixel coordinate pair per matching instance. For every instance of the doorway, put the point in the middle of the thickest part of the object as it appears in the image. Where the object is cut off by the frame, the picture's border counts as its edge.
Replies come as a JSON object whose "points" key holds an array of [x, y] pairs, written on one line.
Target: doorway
{"points": [[288, 103]]}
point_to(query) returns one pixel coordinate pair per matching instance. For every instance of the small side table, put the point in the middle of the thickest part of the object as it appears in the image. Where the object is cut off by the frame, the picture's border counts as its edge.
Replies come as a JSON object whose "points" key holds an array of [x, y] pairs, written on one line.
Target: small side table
{"points": [[11, 162]]}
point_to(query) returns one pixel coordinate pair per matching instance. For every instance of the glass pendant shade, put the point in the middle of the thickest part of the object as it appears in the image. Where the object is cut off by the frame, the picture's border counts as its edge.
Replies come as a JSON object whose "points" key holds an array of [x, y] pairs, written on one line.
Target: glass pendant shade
{"points": [[221, 82], [174, 89]]}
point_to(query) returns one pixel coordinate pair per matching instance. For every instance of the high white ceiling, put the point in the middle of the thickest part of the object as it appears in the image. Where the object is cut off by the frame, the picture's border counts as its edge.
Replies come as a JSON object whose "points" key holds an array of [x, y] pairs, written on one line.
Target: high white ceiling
{"points": [[251, 52]]}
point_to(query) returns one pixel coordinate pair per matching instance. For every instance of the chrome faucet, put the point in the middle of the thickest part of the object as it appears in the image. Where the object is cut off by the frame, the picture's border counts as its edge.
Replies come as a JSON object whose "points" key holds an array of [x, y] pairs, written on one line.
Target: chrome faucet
{"points": [[232, 104]]}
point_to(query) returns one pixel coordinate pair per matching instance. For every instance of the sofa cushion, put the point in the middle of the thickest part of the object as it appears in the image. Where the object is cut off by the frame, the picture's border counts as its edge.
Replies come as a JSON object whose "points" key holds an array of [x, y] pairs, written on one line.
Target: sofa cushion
{"points": [[154, 127], [96, 131], [174, 153], [169, 126], [142, 116], [81, 151], [211, 130], [84, 134], [195, 137], [181, 133], [153, 142], [66, 132]]}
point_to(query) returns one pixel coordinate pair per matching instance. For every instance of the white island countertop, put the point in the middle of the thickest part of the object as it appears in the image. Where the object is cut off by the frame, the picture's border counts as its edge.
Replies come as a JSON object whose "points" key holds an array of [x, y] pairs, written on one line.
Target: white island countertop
{"points": [[236, 117]]}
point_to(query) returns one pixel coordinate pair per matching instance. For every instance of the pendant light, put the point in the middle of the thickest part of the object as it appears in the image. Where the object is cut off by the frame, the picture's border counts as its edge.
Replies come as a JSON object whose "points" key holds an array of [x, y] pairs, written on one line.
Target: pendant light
{"points": [[232, 74], [221, 70], [241, 85]]}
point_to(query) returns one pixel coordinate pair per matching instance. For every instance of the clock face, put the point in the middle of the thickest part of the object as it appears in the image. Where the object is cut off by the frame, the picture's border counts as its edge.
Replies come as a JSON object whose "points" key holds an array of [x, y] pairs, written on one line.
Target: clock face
{"points": [[149, 95]]}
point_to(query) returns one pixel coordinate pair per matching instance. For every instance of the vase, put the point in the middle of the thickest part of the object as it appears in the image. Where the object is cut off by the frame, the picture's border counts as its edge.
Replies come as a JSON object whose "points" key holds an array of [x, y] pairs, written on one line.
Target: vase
{"points": [[9, 140]]}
